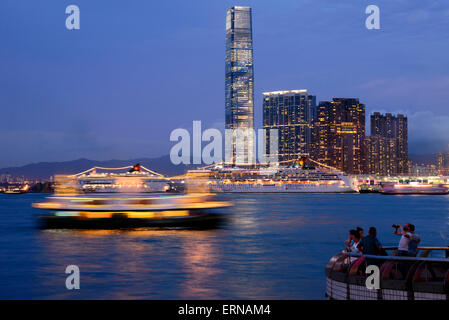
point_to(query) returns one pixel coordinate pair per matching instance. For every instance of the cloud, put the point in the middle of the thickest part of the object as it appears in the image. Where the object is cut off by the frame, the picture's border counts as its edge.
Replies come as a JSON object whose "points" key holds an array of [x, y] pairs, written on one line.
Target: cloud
{"points": [[428, 132], [417, 93]]}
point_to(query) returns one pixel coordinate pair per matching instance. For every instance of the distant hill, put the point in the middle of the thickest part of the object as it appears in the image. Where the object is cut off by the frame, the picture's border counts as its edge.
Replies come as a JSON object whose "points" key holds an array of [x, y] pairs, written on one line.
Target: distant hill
{"points": [[43, 170]]}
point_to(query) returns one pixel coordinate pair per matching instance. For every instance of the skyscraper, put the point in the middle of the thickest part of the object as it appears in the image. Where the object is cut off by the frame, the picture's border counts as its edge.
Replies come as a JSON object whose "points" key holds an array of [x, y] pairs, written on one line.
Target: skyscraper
{"points": [[291, 113], [339, 135], [443, 163], [239, 80], [389, 127]]}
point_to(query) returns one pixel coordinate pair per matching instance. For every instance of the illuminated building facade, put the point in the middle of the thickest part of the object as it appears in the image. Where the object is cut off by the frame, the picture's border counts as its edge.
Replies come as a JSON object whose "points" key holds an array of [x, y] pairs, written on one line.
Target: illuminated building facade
{"points": [[239, 80], [393, 130], [381, 155], [290, 112], [443, 163], [402, 136], [339, 135]]}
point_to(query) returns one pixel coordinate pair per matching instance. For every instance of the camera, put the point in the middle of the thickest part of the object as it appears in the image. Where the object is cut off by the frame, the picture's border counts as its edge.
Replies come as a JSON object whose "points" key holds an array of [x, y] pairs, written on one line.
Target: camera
{"points": [[396, 226]]}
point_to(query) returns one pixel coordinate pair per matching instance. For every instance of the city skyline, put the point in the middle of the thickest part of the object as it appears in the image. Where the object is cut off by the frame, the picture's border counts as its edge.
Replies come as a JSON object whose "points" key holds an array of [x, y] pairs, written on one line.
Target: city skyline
{"points": [[56, 111]]}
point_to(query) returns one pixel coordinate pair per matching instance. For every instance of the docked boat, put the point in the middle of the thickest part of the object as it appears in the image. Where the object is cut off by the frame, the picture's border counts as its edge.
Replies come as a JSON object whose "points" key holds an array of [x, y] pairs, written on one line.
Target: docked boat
{"points": [[365, 188], [95, 211], [302, 177], [413, 187]]}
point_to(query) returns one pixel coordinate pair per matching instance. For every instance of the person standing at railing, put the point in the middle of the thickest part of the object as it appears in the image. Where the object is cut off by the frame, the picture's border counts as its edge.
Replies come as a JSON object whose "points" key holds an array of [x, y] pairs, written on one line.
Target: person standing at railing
{"points": [[406, 236], [371, 245]]}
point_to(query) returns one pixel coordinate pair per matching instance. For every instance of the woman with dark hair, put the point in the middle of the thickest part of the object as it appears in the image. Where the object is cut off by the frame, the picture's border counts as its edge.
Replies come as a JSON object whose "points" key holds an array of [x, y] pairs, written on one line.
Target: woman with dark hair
{"points": [[352, 244], [370, 244]]}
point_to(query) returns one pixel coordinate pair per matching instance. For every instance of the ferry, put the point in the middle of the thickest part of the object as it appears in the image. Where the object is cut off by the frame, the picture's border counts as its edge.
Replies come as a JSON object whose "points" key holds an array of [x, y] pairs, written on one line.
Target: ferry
{"points": [[17, 190], [413, 187], [94, 211], [301, 177], [135, 178]]}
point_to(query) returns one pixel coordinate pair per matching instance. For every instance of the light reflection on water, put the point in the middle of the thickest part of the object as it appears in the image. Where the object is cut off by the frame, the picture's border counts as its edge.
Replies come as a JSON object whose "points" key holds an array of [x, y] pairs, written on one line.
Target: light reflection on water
{"points": [[272, 246]]}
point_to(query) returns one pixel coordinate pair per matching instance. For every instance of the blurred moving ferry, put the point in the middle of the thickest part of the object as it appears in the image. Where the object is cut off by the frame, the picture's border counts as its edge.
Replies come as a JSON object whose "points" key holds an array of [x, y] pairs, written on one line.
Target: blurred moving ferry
{"points": [[302, 176], [122, 201], [137, 178], [112, 211]]}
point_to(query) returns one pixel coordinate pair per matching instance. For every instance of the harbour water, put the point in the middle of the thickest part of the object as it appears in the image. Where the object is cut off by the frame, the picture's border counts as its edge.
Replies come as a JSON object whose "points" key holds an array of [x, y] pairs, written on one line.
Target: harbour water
{"points": [[272, 246]]}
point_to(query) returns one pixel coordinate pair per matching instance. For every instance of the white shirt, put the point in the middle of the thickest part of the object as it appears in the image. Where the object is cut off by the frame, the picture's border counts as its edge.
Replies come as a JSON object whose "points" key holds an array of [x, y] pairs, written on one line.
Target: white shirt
{"points": [[403, 243], [355, 249]]}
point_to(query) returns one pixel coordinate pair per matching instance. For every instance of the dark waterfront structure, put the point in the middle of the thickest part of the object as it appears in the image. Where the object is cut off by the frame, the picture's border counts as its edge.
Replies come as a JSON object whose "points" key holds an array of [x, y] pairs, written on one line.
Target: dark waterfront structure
{"points": [[339, 134], [239, 78], [390, 131], [291, 113]]}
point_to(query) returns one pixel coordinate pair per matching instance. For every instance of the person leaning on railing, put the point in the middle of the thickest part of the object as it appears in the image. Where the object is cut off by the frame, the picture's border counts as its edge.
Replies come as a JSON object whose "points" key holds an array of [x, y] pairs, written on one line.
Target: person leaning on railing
{"points": [[370, 245]]}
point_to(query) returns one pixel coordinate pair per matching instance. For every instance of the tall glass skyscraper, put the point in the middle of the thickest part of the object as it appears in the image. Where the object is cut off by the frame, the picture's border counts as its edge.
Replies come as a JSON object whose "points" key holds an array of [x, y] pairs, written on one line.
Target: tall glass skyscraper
{"points": [[239, 79]]}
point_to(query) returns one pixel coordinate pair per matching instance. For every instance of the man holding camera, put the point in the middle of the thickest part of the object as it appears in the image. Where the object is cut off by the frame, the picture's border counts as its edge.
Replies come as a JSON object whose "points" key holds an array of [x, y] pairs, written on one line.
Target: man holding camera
{"points": [[408, 244]]}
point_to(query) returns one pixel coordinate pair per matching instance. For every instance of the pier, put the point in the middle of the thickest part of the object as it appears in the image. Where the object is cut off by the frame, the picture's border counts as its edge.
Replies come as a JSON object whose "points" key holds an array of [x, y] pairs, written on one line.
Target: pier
{"points": [[401, 278]]}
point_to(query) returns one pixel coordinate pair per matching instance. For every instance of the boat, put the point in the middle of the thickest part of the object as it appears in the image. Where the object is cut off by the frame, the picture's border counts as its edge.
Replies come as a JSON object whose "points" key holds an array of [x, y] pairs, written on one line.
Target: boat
{"points": [[413, 187], [365, 188], [425, 277], [16, 190], [135, 178], [369, 184], [112, 211], [300, 177]]}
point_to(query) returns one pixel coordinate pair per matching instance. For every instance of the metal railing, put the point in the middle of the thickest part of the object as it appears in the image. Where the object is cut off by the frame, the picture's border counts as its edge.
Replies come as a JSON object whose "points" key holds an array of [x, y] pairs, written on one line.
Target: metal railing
{"points": [[405, 258]]}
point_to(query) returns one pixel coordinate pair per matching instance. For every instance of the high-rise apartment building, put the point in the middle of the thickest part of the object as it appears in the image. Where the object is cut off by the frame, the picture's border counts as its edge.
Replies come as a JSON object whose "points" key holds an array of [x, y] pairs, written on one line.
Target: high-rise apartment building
{"points": [[290, 112], [390, 128], [402, 137], [443, 163], [381, 155], [339, 135], [239, 81]]}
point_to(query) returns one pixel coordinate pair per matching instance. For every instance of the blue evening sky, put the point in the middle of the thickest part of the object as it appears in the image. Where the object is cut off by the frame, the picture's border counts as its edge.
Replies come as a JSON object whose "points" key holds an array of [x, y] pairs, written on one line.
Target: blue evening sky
{"points": [[138, 69]]}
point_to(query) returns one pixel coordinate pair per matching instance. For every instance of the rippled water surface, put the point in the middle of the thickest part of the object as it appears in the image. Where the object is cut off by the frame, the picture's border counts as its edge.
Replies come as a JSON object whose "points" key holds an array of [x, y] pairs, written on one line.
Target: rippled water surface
{"points": [[272, 246]]}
